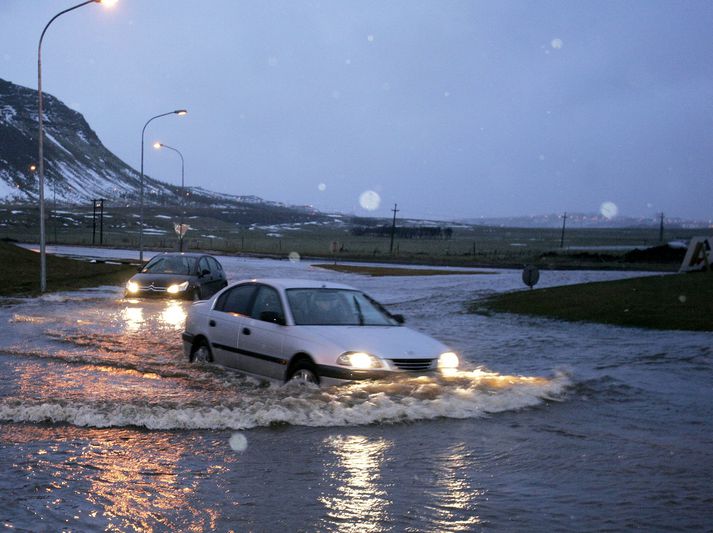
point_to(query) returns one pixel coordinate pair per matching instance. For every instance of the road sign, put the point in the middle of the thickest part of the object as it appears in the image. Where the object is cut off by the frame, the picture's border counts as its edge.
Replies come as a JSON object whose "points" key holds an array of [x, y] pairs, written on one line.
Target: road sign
{"points": [[530, 275]]}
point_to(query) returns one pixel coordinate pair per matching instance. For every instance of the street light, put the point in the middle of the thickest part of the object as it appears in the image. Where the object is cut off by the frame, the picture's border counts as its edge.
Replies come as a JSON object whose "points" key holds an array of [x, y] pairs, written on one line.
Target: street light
{"points": [[180, 113], [41, 162], [158, 146]]}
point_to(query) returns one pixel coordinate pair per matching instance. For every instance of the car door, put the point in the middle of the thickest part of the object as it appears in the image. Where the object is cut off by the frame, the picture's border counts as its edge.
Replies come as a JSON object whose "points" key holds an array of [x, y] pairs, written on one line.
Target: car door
{"points": [[219, 279], [226, 321], [205, 278], [262, 335]]}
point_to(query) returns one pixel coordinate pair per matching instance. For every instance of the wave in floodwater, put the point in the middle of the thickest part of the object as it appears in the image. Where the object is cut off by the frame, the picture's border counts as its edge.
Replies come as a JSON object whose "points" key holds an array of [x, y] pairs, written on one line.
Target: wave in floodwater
{"points": [[473, 394]]}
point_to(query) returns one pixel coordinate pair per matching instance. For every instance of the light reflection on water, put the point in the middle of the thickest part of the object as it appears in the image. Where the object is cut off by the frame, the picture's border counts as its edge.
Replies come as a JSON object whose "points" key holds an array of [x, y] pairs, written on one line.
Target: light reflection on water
{"points": [[455, 499], [112, 480], [174, 315], [358, 503], [134, 318]]}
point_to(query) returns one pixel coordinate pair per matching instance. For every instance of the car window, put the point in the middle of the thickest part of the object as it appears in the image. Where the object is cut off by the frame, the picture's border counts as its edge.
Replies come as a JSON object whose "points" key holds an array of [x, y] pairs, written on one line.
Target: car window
{"points": [[171, 264], [215, 265], [203, 264], [236, 300], [267, 306], [336, 307]]}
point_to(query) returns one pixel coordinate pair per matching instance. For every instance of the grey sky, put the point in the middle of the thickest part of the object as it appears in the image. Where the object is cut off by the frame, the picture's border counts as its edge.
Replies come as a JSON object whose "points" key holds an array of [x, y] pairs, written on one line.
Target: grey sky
{"points": [[449, 108]]}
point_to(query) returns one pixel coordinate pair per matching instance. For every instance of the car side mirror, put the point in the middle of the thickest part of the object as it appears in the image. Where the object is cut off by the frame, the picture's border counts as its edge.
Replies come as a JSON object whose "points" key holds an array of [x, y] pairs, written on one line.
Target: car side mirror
{"points": [[399, 318], [272, 316]]}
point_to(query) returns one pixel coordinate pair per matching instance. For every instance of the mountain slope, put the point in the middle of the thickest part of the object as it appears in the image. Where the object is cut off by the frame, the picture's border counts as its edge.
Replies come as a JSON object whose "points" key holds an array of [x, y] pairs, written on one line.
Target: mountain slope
{"points": [[78, 167]]}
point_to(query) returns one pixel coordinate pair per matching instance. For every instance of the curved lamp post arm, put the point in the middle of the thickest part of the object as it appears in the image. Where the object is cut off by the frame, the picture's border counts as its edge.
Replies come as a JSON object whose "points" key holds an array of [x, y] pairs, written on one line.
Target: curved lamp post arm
{"points": [[41, 159], [180, 237], [179, 112]]}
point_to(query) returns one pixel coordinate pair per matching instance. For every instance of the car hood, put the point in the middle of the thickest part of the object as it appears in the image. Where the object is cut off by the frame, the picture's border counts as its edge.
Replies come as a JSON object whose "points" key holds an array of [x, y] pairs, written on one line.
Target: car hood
{"points": [[389, 342], [160, 280]]}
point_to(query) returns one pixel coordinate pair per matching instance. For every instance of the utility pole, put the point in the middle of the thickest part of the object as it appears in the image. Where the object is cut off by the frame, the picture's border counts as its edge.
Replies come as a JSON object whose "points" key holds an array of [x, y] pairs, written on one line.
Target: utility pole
{"points": [[98, 204], [95, 204], [564, 222], [101, 222], [661, 229], [393, 229]]}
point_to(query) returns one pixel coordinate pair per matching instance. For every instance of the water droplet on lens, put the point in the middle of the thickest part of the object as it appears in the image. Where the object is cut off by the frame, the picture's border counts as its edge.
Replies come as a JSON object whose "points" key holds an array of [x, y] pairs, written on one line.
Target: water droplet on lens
{"points": [[322, 186], [294, 257], [682, 298], [609, 210], [238, 442], [370, 200], [556, 44]]}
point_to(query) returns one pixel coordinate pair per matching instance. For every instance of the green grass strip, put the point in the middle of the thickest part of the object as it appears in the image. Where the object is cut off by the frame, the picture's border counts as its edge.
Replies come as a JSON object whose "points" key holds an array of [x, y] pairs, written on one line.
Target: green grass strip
{"points": [[20, 272], [395, 271], [667, 302]]}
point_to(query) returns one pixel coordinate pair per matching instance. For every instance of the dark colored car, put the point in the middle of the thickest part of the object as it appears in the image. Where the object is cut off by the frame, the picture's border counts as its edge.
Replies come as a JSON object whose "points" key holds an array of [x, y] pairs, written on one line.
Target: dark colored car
{"points": [[178, 275]]}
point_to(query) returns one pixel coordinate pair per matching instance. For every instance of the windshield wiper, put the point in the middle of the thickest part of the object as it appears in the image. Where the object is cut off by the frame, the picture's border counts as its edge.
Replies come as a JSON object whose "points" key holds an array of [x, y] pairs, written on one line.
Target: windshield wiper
{"points": [[358, 307]]}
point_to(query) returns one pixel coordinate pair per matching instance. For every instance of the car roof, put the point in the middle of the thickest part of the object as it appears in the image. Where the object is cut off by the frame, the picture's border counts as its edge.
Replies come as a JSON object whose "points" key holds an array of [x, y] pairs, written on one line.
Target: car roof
{"points": [[180, 254], [288, 283]]}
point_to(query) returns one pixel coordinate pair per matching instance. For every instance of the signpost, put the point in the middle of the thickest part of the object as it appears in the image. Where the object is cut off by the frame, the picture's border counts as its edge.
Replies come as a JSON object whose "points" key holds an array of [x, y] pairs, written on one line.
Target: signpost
{"points": [[530, 276]]}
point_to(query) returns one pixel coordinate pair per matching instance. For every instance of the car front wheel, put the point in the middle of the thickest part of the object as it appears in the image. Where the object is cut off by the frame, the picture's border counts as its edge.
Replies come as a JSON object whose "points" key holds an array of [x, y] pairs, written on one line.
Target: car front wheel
{"points": [[304, 373], [201, 352]]}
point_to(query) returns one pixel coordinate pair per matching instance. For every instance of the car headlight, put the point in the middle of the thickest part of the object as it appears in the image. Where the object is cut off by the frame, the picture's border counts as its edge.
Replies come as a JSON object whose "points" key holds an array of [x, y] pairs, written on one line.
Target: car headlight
{"points": [[359, 360], [132, 287], [448, 360], [177, 287]]}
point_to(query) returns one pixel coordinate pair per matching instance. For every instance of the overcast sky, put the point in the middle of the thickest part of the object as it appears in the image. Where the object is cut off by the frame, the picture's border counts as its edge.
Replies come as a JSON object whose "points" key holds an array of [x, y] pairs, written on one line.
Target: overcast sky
{"points": [[450, 108]]}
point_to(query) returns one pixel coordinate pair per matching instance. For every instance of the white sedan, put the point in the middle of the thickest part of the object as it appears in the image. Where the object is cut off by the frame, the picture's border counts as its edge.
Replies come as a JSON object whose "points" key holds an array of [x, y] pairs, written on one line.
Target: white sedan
{"points": [[310, 331]]}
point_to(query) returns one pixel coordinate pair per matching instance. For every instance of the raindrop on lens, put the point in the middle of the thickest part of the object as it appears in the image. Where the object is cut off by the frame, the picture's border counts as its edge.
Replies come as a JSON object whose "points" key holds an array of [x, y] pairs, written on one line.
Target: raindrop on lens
{"points": [[370, 200], [682, 298], [294, 257], [238, 442], [322, 187], [556, 44], [609, 210]]}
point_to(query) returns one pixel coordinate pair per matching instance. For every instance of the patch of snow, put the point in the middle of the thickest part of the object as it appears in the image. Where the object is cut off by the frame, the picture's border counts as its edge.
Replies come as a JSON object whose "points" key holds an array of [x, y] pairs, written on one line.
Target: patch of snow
{"points": [[51, 138], [8, 113]]}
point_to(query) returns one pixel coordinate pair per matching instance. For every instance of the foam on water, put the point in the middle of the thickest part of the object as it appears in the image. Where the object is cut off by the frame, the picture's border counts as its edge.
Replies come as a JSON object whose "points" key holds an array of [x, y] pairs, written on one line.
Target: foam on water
{"points": [[465, 395]]}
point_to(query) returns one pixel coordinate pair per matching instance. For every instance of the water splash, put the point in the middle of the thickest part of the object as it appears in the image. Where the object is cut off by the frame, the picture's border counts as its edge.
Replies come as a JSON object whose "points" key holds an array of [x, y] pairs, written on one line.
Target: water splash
{"points": [[472, 394]]}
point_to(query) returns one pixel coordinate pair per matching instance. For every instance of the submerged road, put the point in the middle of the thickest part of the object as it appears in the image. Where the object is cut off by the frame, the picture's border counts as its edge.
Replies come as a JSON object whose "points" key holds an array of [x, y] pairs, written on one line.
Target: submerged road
{"points": [[550, 425]]}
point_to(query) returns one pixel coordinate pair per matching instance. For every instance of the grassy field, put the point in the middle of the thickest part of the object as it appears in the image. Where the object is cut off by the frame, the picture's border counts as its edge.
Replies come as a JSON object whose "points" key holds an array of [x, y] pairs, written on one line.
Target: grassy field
{"points": [[667, 302], [20, 273], [312, 236], [377, 271]]}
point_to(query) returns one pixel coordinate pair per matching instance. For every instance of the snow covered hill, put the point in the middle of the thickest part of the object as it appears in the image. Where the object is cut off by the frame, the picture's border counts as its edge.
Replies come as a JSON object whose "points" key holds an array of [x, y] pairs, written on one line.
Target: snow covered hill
{"points": [[78, 167]]}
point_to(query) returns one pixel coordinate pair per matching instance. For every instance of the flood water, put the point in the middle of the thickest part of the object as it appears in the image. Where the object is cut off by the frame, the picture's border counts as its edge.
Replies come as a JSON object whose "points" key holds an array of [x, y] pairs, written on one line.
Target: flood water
{"points": [[550, 426]]}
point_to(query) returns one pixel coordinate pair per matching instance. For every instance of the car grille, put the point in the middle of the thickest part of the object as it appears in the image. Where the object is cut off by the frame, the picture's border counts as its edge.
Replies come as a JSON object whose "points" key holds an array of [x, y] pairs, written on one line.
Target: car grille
{"points": [[151, 288], [413, 365]]}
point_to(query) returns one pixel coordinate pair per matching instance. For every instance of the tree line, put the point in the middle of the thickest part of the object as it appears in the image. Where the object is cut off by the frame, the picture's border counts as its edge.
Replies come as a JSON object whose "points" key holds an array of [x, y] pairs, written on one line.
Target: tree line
{"points": [[404, 232]]}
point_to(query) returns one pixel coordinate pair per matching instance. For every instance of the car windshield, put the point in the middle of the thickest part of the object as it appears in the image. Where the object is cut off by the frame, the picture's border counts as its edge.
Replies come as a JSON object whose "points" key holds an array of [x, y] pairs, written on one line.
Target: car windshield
{"points": [[171, 264], [336, 307]]}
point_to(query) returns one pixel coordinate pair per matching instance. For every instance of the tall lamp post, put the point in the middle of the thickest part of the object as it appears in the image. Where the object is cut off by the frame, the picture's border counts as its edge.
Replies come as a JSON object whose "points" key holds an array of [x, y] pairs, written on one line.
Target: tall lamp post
{"points": [[41, 161], [179, 112], [180, 220]]}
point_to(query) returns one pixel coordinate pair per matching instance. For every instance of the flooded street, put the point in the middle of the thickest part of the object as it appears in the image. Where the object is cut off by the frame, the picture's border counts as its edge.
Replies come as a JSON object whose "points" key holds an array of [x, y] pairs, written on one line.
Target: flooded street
{"points": [[104, 425]]}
